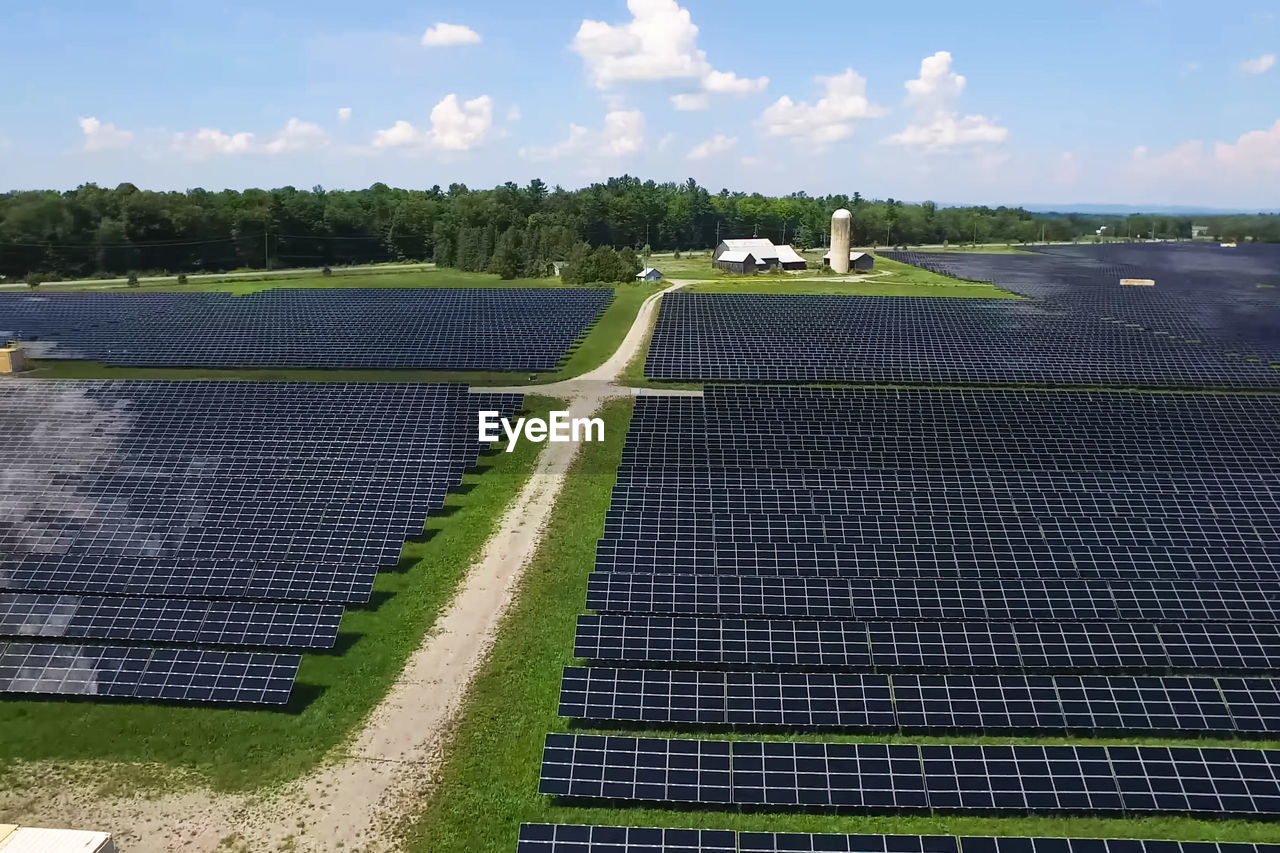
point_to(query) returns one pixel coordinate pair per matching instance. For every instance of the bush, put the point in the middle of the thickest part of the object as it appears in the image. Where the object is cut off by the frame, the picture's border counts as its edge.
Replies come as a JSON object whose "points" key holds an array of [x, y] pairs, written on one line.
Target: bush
{"points": [[326, 272], [182, 278], [32, 279], [677, 255], [133, 279]]}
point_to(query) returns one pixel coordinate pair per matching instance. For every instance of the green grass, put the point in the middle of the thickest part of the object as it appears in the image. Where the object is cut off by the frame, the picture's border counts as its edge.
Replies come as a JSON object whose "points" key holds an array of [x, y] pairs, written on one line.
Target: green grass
{"points": [[892, 278], [245, 748], [600, 341], [489, 779]]}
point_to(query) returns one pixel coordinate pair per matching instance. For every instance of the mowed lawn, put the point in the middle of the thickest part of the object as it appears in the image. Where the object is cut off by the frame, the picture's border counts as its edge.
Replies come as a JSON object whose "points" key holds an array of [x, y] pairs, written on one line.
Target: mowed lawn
{"points": [[890, 278], [489, 783], [238, 747], [597, 344]]}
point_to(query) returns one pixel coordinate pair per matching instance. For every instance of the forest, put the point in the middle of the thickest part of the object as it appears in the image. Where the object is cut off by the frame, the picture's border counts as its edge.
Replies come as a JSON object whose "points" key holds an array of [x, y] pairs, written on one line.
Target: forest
{"points": [[510, 230]]}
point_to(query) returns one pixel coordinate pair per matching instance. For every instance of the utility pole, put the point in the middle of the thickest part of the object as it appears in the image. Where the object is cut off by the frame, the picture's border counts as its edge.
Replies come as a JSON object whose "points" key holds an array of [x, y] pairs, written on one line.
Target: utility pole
{"points": [[1041, 232], [266, 249], [887, 226]]}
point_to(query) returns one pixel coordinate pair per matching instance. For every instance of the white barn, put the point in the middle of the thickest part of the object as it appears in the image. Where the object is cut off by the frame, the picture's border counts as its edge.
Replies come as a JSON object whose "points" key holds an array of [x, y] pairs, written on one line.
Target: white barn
{"points": [[766, 254], [858, 261]]}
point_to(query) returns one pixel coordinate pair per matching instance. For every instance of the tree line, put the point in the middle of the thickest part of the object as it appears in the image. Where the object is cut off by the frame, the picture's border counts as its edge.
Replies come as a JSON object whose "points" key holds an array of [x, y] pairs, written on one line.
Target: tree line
{"points": [[511, 230]]}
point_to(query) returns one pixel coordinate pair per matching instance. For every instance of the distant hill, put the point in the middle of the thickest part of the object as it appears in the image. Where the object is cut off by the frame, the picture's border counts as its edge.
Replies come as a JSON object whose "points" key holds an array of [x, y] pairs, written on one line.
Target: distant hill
{"points": [[1122, 209]]}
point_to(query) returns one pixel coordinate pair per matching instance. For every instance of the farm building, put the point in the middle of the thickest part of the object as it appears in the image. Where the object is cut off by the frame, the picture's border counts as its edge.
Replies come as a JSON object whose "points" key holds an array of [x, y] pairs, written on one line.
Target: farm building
{"points": [[766, 254], [737, 262], [858, 261], [649, 274]]}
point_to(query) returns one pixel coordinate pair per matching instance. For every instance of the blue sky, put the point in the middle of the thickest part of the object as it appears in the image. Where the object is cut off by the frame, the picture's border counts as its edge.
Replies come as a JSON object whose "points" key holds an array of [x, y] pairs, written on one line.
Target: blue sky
{"points": [[1136, 102]]}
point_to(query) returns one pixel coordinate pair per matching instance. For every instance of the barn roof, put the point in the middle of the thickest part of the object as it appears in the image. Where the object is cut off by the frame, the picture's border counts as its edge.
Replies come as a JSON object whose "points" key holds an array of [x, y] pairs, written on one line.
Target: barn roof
{"points": [[735, 256], [758, 246], [787, 255]]}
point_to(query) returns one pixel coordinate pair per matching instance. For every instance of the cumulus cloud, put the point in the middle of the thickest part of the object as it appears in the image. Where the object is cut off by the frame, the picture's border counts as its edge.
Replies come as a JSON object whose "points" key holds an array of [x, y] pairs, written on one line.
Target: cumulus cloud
{"points": [[691, 102], [1257, 151], [209, 141], [1253, 155], [298, 136], [830, 119], [449, 35], [344, 113], [455, 126], [1261, 65], [938, 123], [623, 134], [660, 42], [103, 136], [717, 144]]}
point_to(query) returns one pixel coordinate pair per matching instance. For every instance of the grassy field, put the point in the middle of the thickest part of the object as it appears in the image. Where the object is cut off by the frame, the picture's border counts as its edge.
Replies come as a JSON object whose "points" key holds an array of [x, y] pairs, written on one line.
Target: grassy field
{"points": [[594, 349], [490, 778], [241, 748], [890, 279]]}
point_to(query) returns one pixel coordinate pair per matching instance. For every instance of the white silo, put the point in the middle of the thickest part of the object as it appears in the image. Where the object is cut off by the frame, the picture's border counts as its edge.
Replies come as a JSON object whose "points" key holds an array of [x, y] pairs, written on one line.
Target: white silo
{"points": [[841, 226]]}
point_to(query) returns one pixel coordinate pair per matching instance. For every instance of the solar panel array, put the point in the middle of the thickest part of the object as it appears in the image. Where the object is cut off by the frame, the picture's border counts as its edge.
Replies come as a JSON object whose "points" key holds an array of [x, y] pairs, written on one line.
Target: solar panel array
{"points": [[877, 776], [426, 328], [545, 838], [165, 540], [934, 560], [1201, 327]]}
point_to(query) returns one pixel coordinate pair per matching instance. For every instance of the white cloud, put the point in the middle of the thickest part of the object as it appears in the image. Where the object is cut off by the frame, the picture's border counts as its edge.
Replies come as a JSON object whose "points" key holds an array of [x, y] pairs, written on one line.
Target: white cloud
{"points": [[623, 134], [103, 136], [691, 102], [717, 144], [946, 130], [1253, 155], [209, 141], [298, 136], [399, 134], [830, 119], [449, 35], [939, 125], [1261, 65], [344, 113], [660, 42], [513, 113], [460, 127], [455, 126], [726, 82], [1257, 151]]}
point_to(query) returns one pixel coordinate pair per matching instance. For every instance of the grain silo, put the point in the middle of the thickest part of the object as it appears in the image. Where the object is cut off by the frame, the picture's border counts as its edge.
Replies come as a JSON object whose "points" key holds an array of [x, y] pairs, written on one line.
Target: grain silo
{"points": [[841, 226]]}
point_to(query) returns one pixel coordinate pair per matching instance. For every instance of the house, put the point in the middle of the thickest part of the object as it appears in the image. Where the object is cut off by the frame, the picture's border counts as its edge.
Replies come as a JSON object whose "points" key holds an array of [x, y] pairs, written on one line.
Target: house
{"points": [[858, 261], [649, 274], [556, 268], [766, 254], [737, 262]]}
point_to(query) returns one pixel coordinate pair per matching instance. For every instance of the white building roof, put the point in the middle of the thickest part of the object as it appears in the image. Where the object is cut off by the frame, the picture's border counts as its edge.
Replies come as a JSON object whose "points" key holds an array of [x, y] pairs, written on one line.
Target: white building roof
{"points": [[735, 256], [853, 256], [787, 255], [758, 246], [645, 272]]}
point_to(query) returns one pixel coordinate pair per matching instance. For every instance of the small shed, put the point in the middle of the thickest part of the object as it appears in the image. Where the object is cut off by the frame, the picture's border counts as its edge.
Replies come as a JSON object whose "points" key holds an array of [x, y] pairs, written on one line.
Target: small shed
{"points": [[858, 261], [737, 262], [649, 274], [789, 259], [556, 268]]}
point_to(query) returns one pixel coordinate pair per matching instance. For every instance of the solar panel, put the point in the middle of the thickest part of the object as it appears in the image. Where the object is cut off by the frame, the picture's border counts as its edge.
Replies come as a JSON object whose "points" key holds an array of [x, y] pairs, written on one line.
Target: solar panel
{"points": [[142, 672], [425, 328], [902, 776], [152, 620], [544, 838], [209, 514]]}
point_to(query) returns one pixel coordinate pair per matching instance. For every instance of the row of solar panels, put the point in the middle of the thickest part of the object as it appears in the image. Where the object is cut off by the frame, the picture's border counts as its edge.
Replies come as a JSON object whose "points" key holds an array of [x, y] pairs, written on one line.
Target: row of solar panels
{"points": [[570, 838], [1119, 779], [953, 701], [1007, 599], [912, 340], [426, 328], [151, 526]]}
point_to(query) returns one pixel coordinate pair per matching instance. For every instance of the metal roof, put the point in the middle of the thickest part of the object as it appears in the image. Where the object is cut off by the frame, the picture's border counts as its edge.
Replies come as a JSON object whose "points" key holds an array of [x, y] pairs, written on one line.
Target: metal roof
{"points": [[758, 246], [735, 256], [787, 255]]}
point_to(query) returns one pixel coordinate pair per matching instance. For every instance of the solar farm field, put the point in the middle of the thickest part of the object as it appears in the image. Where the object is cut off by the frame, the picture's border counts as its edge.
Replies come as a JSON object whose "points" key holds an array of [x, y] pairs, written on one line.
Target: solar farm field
{"points": [[224, 577], [901, 619]]}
